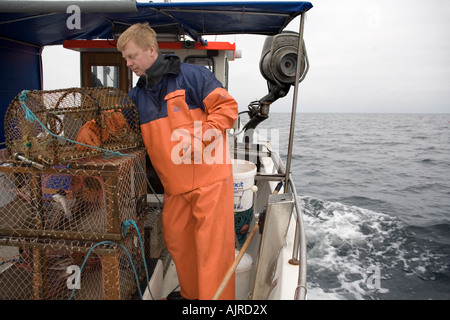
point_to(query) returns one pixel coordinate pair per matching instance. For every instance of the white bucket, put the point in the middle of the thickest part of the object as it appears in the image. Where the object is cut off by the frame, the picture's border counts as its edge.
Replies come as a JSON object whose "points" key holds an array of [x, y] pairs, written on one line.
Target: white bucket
{"points": [[243, 179], [242, 276]]}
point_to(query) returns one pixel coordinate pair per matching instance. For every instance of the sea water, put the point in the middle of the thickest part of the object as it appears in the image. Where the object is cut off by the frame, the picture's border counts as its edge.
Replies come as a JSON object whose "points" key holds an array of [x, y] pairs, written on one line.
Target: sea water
{"points": [[375, 192]]}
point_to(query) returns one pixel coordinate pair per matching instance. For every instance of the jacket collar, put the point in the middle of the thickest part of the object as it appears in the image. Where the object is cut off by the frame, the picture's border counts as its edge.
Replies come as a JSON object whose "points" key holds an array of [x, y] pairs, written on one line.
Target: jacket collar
{"points": [[164, 64]]}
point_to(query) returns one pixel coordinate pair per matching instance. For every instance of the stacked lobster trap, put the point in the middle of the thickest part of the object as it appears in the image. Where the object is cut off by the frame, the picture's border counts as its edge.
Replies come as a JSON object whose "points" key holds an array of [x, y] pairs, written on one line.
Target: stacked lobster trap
{"points": [[72, 179], [55, 126], [39, 268]]}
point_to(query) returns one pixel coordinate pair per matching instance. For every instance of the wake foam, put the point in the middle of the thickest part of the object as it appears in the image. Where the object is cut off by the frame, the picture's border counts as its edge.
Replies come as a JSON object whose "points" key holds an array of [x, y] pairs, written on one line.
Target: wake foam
{"points": [[355, 253]]}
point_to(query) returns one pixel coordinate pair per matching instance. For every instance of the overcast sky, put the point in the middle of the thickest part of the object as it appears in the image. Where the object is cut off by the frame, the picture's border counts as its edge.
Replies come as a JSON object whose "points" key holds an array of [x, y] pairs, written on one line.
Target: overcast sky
{"points": [[365, 56]]}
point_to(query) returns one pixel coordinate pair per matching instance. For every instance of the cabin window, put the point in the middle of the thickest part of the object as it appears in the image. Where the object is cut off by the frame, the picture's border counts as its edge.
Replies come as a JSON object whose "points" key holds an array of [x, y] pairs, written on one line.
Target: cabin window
{"points": [[105, 69], [105, 76], [207, 62]]}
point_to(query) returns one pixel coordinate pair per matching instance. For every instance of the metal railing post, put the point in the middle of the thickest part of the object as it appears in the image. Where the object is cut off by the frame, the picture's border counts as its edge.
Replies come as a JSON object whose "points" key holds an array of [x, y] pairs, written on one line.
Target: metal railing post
{"points": [[294, 101]]}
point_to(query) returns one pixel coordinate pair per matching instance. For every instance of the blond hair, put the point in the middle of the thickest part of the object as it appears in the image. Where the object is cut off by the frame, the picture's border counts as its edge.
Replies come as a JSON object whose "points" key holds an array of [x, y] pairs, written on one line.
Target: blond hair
{"points": [[141, 33]]}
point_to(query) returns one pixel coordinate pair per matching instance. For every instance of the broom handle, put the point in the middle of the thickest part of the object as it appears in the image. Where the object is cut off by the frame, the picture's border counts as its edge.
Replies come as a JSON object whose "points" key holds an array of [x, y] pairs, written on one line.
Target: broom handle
{"points": [[241, 253], [236, 262]]}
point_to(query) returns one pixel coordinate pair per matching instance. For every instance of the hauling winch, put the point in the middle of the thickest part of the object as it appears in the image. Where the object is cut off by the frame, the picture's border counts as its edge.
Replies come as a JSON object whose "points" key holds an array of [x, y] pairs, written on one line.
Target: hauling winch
{"points": [[278, 65]]}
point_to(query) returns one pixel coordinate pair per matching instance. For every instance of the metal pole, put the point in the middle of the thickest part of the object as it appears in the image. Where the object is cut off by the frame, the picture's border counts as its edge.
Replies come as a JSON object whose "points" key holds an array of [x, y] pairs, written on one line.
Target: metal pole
{"points": [[294, 102], [300, 249]]}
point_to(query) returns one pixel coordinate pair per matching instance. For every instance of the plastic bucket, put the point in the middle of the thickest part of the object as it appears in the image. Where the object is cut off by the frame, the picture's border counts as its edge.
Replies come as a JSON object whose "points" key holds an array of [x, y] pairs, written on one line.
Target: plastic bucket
{"points": [[242, 276], [243, 179]]}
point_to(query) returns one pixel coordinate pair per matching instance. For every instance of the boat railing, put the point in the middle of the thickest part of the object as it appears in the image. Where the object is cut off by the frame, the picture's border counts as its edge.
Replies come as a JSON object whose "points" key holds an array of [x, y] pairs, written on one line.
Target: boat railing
{"points": [[299, 248], [299, 243]]}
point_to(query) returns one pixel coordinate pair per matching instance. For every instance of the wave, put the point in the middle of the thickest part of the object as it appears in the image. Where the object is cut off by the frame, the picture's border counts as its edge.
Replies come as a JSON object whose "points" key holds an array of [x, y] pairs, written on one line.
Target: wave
{"points": [[355, 253]]}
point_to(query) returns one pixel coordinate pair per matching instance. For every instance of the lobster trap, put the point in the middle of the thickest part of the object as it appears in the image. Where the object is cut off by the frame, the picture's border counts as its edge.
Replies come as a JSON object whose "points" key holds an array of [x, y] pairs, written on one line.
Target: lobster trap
{"points": [[44, 269], [85, 199], [51, 127]]}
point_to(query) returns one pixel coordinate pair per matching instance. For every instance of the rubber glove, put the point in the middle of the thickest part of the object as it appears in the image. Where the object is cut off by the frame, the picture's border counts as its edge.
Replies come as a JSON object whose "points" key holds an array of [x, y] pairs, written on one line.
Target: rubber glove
{"points": [[89, 134], [115, 122]]}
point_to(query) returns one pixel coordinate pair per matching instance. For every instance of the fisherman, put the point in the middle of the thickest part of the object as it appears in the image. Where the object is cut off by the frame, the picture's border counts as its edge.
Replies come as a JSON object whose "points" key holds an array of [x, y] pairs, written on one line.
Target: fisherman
{"points": [[184, 113]]}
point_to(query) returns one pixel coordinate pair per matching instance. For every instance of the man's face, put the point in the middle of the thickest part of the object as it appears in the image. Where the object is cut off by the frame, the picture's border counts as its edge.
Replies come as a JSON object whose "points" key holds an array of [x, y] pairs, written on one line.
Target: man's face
{"points": [[138, 59]]}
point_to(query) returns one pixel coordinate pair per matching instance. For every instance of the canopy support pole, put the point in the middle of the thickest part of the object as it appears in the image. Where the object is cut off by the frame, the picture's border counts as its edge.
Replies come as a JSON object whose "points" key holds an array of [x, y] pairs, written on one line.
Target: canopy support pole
{"points": [[294, 102], [299, 247]]}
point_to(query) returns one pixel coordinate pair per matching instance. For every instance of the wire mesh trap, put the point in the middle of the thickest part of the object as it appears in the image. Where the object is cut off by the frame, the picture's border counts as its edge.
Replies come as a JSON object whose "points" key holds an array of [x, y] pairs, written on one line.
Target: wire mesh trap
{"points": [[72, 177], [48, 269], [85, 199], [51, 127]]}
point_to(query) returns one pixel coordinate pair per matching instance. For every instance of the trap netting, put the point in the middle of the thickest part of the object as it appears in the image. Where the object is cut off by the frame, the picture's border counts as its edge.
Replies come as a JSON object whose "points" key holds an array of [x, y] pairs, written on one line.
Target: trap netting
{"points": [[86, 199], [46, 269], [72, 180], [50, 127]]}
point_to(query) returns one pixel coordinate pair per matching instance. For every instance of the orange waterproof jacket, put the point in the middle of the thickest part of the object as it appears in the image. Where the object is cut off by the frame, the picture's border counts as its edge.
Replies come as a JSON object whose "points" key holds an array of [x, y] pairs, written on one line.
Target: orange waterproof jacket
{"points": [[181, 104]]}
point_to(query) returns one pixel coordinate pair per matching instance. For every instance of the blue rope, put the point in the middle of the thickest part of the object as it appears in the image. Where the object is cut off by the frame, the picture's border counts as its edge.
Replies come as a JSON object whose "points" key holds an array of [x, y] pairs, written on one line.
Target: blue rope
{"points": [[126, 225], [87, 256], [31, 117], [241, 219]]}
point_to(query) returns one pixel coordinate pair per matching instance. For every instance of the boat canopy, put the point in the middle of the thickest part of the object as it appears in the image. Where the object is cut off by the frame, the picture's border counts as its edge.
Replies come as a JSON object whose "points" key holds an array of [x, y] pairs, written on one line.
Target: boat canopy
{"points": [[195, 18], [26, 28]]}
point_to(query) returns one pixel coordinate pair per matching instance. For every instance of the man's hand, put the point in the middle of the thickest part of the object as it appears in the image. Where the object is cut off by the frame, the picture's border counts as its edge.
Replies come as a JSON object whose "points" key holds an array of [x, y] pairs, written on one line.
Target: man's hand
{"points": [[193, 150]]}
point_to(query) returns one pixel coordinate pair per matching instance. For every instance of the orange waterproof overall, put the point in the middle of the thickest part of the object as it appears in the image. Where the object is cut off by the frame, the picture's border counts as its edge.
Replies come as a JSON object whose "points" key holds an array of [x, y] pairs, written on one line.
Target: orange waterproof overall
{"points": [[201, 243], [198, 215]]}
